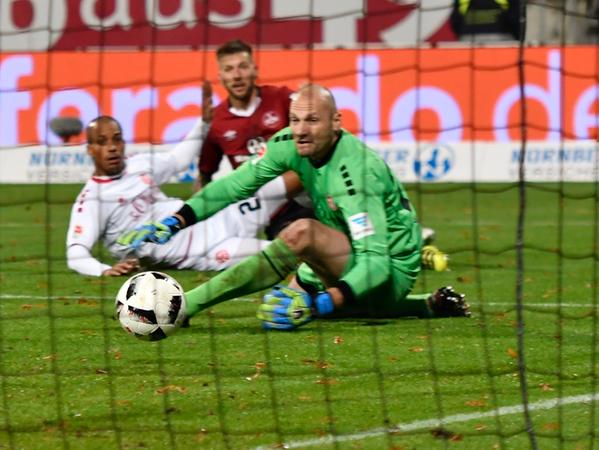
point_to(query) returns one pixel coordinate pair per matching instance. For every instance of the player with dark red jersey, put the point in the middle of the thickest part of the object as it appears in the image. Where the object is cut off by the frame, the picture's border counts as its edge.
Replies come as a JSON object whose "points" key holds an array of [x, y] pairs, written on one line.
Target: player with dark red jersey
{"points": [[244, 121], [241, 133]]}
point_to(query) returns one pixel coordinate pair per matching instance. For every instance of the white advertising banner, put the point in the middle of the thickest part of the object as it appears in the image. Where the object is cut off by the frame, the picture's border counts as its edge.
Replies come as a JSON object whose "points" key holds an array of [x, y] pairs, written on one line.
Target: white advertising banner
{"points": [[425, 162]]}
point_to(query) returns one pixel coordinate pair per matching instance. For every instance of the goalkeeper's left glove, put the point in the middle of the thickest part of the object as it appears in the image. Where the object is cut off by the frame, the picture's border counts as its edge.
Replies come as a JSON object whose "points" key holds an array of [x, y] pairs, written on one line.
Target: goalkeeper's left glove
{"points": [[157, 232], [285, 308]]}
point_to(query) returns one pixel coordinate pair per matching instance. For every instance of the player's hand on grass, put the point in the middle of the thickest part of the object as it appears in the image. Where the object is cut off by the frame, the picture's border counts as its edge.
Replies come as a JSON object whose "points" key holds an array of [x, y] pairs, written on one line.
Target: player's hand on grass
{"points": [[124, 267], [156, 232], [285, 308]]}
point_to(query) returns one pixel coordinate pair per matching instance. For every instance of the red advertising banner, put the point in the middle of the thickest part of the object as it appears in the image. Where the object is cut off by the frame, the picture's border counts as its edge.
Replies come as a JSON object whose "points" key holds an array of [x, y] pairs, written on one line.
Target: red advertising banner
{"points": [[28, 25], [443, 95]]}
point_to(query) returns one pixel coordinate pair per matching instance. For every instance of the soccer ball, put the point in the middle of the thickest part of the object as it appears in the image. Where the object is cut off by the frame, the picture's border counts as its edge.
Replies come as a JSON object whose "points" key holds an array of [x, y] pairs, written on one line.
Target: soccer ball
{"points": [[150, 305]]}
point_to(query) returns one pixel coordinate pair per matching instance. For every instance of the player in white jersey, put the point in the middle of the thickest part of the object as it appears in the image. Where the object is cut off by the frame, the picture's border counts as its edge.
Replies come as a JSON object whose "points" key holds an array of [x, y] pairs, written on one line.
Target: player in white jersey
{"points": [[124, 193]]}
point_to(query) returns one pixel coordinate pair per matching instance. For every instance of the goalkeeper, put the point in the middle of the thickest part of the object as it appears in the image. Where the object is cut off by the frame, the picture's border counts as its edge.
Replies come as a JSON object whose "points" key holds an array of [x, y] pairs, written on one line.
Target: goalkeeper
{"points": [[362, 255]]}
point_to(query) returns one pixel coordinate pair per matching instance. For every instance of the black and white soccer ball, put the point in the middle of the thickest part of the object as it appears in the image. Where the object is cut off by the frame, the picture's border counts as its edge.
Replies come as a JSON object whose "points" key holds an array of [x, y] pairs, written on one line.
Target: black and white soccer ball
{"points": [[150, 305]]}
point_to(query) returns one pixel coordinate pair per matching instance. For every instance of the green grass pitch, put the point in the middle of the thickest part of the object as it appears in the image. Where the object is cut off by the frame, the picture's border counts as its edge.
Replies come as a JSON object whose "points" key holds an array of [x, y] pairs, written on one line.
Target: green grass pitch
{"points": [[71, 378]]}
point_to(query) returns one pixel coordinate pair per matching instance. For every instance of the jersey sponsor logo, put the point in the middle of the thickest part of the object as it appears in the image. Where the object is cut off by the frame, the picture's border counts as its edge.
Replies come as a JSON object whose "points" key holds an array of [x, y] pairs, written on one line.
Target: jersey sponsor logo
{"points": [[270, 119], [77, 230], [256, 145], [360, 226], [229, 135]]}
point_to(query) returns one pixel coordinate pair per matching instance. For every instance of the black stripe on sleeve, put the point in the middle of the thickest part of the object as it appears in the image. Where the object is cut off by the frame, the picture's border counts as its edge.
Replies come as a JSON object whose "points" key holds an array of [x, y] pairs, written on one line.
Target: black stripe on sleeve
{"points": [[187, 214]]}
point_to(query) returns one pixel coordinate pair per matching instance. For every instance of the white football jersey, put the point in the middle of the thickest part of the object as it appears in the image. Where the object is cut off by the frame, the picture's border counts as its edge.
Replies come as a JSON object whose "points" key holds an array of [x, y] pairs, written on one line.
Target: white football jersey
{"points": [[109, 206], [106, 207]]}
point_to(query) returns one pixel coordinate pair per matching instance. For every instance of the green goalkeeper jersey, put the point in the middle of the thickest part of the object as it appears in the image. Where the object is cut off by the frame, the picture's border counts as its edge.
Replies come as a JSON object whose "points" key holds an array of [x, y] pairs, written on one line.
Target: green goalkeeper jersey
{"points": [[353, 191]]}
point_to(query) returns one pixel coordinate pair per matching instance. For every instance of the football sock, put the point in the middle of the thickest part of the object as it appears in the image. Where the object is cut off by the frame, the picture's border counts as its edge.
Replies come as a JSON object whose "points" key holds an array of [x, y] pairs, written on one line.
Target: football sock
{"points": [[253, 274], [416, 305]]}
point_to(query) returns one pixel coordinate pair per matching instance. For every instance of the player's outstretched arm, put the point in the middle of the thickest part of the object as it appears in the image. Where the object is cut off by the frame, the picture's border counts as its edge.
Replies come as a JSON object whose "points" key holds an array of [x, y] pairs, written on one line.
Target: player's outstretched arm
{"points": [[80, 259], [188, 150], [207, 106], [124, 267], [156, 232]]}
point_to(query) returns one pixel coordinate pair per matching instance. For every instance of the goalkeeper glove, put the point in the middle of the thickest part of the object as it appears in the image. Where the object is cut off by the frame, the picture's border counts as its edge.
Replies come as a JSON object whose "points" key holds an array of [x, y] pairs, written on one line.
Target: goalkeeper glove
{"points": [[157, 232], [285, 308]]}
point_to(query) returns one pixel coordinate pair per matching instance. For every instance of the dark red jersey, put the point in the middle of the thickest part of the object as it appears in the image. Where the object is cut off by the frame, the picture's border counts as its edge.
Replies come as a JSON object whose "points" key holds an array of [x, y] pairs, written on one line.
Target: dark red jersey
{"points": [[240, 137]]}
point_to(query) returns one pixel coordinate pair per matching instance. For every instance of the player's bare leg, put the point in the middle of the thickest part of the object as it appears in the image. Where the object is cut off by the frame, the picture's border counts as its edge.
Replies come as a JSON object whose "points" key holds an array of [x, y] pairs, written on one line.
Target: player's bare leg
{"points": [[323, 248]]}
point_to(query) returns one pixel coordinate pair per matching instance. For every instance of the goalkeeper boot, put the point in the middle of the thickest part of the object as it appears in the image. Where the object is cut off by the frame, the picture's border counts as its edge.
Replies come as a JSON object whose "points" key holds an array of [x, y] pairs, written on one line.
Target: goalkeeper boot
{"points": [[433, 258], [185, 323], [445, 302]]}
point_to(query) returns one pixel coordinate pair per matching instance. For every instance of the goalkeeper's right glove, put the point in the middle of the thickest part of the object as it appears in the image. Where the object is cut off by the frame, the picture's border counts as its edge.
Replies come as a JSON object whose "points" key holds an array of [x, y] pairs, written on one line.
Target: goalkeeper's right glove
{"points": [[285, 308], [157, 232]]}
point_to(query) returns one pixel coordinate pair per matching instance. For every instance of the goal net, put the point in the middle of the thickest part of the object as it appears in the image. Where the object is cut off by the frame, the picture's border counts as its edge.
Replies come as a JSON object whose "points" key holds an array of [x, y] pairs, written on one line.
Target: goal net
{"points": [[493, 131]]}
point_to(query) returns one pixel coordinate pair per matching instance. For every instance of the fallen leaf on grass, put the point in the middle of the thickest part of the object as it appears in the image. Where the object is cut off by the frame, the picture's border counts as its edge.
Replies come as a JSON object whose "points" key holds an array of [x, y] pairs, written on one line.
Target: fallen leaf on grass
{"points": [[476, 403], [171, 388], [28, 306], [442, 433], [259, 366], [416, 349], [512, 353], [337, 340], [86, 302], [316, 363], [201, 435], [545, 387], [328, 381]]}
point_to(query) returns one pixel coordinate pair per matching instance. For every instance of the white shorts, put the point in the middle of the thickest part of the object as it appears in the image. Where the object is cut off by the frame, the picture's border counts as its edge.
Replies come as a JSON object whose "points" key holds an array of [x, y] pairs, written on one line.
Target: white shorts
{"points": [[228, 236]]}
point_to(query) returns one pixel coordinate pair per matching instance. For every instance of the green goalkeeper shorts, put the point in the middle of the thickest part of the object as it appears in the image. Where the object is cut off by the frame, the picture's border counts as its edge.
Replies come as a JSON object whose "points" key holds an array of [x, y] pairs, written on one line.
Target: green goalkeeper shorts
{"points": [[385, 299]]}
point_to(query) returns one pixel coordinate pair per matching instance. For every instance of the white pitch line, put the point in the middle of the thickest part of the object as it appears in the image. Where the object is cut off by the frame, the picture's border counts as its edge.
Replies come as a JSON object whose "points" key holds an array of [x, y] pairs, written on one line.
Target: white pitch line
{"points": [[75, 297], [564, 304], [434, 423], [50, 297]]}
